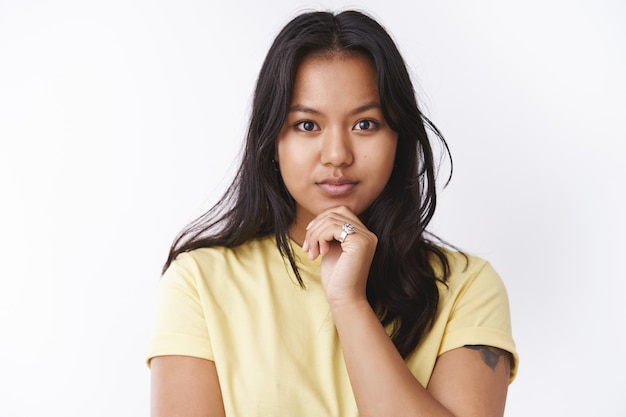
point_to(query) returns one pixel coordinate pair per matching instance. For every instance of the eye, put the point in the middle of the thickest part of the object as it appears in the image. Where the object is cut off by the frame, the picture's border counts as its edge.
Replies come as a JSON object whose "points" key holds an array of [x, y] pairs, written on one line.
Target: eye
{"points": [[307, 126], [365, 125]]}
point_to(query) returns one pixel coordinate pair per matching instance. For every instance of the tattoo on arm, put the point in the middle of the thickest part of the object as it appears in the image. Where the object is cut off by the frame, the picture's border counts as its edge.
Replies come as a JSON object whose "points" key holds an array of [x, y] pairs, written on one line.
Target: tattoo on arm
{"points": [[491, 356]]}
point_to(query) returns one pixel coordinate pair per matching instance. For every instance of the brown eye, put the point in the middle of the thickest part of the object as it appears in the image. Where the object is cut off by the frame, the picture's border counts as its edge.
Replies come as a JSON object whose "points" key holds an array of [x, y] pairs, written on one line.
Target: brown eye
{"points": [[365, 125], [306, 126]]}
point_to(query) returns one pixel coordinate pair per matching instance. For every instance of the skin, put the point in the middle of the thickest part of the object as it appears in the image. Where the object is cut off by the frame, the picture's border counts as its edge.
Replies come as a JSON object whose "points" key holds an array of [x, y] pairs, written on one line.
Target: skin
{"points": [[335, 148], [336, 154]]}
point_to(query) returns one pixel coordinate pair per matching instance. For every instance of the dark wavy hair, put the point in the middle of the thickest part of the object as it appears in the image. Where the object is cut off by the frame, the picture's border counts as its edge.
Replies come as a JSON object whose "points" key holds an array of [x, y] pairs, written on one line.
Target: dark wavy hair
{"points": [[402, 283]]}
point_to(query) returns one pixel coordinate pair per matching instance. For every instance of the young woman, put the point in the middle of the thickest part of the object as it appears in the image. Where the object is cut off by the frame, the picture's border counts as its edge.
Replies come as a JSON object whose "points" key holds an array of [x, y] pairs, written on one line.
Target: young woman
{"points": [[312, 287]]}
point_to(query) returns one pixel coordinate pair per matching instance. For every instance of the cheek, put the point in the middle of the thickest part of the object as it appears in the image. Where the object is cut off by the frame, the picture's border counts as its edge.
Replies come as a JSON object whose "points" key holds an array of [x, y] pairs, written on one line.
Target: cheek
{"points": [[387, 157], [283, 156], [284, 150], [291, 163], [295, 155]]}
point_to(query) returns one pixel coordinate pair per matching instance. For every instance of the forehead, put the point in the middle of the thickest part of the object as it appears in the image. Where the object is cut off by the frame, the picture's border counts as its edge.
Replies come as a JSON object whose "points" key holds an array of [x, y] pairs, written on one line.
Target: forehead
{"points": [[337, 78]]}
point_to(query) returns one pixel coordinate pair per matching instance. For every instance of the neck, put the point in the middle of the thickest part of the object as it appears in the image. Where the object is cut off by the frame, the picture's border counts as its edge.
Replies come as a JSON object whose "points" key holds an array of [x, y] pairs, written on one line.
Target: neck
{"points": [[297, 232]]}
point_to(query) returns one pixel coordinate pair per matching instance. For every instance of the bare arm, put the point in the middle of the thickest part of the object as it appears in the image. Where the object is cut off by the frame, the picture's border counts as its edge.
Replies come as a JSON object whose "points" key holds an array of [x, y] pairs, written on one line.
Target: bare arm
{"points": [[184, 386], [463, 383], [472, 380]]}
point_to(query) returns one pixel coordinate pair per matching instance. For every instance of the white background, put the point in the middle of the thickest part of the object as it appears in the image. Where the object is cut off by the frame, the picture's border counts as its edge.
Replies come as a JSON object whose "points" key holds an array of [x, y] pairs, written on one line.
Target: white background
{"points": [[120, 121]]}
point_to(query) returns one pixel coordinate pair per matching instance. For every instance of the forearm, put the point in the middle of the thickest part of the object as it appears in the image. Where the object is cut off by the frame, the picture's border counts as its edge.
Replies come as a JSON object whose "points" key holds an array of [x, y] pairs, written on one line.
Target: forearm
{"points": [[382, 383]]}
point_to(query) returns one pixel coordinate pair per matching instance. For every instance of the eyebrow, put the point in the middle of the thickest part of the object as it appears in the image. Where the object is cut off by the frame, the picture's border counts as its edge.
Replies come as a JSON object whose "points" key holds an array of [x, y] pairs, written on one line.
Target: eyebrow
{"points": [[304, 109]]}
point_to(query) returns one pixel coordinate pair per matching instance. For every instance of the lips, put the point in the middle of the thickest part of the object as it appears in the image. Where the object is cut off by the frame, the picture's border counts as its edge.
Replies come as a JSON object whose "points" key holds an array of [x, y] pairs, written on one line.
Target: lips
{"points": [[337, 187]]}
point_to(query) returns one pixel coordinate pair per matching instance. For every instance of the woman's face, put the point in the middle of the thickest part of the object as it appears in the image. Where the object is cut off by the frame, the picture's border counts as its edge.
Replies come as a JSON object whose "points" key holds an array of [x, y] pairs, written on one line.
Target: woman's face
{"points": [[335, 147]]}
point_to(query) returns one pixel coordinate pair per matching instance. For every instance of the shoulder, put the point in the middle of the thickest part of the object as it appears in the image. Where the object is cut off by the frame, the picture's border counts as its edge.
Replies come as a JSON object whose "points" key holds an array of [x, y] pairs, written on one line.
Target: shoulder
{"points": [[199, 260], [475, 307], [218, 268], [475, 297], [471, 271]]}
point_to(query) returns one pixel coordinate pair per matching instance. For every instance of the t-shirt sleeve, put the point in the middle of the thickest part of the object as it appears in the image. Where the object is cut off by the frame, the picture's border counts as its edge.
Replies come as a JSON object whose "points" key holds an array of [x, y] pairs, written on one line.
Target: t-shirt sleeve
{"points": [[180, 325], [481, 314]]}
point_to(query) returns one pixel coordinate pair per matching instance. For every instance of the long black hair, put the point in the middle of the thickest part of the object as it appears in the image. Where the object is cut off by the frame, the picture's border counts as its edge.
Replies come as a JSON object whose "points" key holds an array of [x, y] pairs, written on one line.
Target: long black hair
{"points": [[402, 283]]}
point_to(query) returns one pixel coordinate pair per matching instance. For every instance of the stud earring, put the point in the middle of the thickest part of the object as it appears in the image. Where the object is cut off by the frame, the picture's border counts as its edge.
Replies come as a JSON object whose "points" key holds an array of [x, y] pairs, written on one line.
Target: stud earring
{"points": [[275, 166]]}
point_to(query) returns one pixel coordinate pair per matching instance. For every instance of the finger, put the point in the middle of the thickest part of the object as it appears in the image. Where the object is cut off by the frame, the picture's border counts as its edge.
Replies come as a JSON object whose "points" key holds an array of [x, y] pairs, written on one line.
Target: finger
{"points": [[324, 247], [323, 234]]}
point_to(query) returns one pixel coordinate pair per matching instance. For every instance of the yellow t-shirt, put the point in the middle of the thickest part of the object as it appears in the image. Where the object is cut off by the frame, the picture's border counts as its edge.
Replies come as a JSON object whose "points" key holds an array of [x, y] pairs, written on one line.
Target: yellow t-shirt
{"points": [[274, 344]]}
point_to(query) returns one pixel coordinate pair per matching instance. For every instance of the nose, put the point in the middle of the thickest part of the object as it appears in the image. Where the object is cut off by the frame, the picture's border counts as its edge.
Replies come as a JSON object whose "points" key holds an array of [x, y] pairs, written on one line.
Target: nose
{"points": [[336, 148]]}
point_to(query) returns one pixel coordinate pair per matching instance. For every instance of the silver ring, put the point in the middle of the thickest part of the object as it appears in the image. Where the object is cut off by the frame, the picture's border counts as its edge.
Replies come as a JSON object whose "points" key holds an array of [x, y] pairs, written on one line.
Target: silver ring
{"points": [[346, 229]]}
